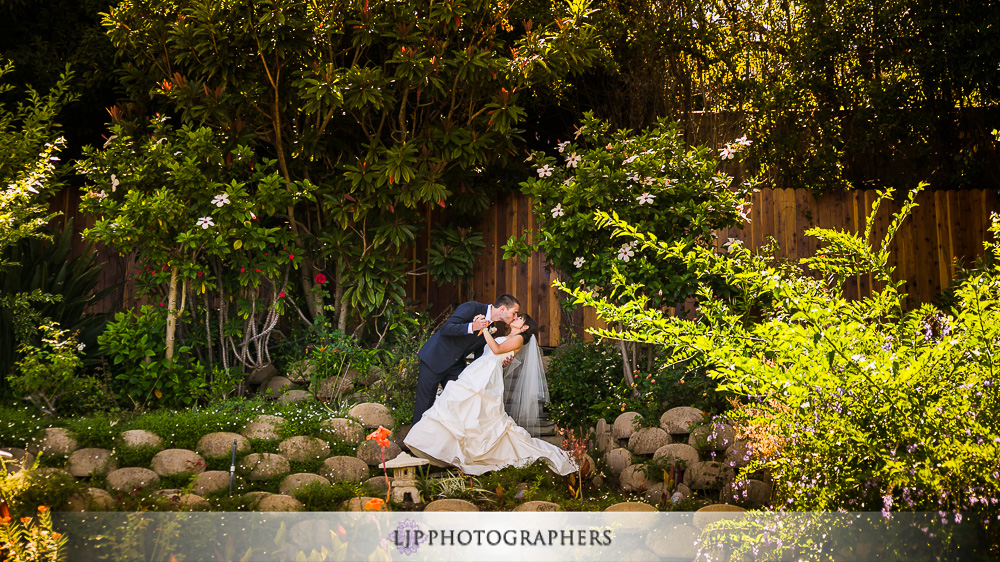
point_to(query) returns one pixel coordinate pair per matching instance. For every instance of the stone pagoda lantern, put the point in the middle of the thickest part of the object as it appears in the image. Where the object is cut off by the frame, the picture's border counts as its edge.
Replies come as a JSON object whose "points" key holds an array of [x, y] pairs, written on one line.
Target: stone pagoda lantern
{"points": [[404, 477]]}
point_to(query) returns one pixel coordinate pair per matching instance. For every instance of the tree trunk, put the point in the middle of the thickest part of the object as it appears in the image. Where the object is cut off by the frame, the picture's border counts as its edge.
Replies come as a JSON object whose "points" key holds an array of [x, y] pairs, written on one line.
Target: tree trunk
{"points": [[627, 366], [171, 316]]}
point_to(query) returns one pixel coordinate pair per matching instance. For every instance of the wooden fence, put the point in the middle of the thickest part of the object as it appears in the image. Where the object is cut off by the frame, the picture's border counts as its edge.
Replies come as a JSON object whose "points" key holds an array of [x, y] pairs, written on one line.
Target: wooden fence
{"points": [[945, 226]]}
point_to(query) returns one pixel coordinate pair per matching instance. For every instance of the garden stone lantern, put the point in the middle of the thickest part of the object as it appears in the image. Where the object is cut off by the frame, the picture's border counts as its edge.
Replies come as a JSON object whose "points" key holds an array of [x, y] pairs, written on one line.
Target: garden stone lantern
{"points": [[404, 477]]}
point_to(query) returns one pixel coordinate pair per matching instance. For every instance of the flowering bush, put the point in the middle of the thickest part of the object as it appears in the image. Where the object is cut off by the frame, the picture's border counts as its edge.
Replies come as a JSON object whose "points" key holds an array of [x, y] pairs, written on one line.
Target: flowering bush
{"points": [[31, 539], [48, 373]]}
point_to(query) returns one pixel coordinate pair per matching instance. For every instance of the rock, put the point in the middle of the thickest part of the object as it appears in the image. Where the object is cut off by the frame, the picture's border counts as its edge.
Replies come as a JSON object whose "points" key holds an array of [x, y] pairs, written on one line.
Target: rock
{"points": [[451, 504], [294, 482], [263, 466], [220, 445], [187, 502], [624, 425], [399, 435], [656, 494], [290, 396], [212, 481], [54, 441], [605, 442], [84, 463], [372, 415], [632, 507], [302, 448], [707, 475], [302, 372], [371, 453], [752, 493], [343, 429], [377, 484], [602, 427], [738, 455], [261, 374], [332, 387], [538, 506], [90, 499], [132, 478], [254, 498], [275, 386], [338, 469], [712, 513], [617, 460], [679, 420], [140, 438], [263, 427], [279, 502], [170, 462], [679, 542], [358, 503], [18, 459], [715, 437], [647, 440], [682, 455], [632, 478]]}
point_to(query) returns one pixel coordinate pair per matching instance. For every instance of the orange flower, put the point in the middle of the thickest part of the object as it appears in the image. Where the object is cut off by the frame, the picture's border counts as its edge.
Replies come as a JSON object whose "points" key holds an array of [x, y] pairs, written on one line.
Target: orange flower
{"points": [[42, 508], [4, 520], [381, 436], [374, 504]]}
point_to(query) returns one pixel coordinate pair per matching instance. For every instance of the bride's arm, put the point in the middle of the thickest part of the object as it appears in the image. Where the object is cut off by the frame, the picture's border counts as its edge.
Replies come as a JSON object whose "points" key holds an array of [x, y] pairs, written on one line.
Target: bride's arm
{"points": [[512, 343]]}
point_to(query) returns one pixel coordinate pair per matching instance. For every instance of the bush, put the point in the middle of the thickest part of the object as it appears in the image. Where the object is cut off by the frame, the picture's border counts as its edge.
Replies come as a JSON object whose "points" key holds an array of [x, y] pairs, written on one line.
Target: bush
{"points": [[583, 381], [48, 375]]}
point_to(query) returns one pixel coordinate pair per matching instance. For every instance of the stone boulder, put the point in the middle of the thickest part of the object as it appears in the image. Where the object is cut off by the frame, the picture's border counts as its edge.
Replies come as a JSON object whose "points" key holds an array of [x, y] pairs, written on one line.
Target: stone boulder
{"points": [[624, 425], [261, 374], [716, 512], [90, 499], [738, 455], [604, 441], [358, 503], [338, 469], [131, 478], [84, 463], [18, 459], [279, 502], [332, 387], [617, 460], [647, 440], [263, 466], [715, 437], [263, 427], [451, 504], [301, 372], [372, 415], [343, 429], [377, 484], [371, 453], [140, 438], [220, 445], [212, 481], [290, 396], [294, 482], [751, 493], [538, 506], [171, 462], [632, 507], [54, 441], [707, 475], [681, 455], [303, 448], [656, 494], [633, 479], [679, 420], [275, 386], [679, 542]]}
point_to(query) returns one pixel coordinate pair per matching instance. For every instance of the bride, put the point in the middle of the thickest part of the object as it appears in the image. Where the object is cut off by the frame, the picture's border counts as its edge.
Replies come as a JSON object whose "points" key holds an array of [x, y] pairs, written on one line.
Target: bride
{"points": [[467, 426]]}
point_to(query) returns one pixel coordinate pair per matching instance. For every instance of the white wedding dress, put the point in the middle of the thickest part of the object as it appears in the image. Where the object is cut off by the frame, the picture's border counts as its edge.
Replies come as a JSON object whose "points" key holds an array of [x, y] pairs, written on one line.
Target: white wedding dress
{"points": [[468, 428]]}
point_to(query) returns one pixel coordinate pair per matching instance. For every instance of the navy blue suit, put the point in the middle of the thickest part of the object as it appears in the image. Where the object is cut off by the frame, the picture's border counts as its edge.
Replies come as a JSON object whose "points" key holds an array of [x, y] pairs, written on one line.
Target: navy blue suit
{"points": [[442, 358]]}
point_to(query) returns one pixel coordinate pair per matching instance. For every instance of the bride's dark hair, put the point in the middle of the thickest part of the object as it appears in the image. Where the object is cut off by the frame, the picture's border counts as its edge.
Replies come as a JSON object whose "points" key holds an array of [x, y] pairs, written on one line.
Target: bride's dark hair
{"points": [[532, 325]]}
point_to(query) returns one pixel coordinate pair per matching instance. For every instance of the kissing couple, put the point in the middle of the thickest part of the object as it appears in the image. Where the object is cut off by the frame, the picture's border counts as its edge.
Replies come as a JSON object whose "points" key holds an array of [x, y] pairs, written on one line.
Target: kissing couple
{"points": [[467, 425]]}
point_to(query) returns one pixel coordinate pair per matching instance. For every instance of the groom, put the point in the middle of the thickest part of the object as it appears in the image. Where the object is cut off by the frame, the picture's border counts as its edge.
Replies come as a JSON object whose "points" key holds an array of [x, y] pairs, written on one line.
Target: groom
{"points": [[442, 358]]}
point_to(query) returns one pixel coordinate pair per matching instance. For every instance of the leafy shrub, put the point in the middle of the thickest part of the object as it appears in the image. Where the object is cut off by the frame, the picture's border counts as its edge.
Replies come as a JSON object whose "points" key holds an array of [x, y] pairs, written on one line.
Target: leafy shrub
{"points": [[583, 381], [323, 497], [48, 375]]}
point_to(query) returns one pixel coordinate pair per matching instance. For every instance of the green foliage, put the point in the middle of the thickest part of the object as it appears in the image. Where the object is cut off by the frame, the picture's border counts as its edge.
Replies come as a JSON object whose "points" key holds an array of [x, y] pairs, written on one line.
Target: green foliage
{"points": [[21, 424], [48, 374], [32, 540], [330, 497], [452, 254], [583, 377]]}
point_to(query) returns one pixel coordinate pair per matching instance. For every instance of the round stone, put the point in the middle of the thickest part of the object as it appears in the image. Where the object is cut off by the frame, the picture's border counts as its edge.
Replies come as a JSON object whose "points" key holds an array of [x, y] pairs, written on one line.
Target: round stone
{"points": [[632, 478], [602, 426], [678, 542], [751, 493], [371, 452], [212, 481], [137, 438], [632, 507], [253, 498], [264, 466], [187, 502], [132, 478], [605, 442], [90, 499], [339, 469], [656, 494], [647, 440], [170, 462], [617, 460], [712, 513], [263, 427], [738, 455], [377, 484], [624, 425], [54, 441], [715, 437], [679, 420], [275, 386], [220, 445], [303, 448], [451, 504], [294, 482], [83, 463], [372, 415], [290, 396], [680, 455], [538, 506], [343, 429], [279, 502], [301, 372], [18, 459], [358, 503], [707, 475]]}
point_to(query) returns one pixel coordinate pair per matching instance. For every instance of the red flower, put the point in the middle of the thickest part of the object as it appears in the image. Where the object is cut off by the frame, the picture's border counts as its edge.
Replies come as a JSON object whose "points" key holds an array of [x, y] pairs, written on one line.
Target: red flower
{"points": [[381, 436], [161, 304], [242, 269], [320, 278], [291, 256], [199, 274], [281, 294]]}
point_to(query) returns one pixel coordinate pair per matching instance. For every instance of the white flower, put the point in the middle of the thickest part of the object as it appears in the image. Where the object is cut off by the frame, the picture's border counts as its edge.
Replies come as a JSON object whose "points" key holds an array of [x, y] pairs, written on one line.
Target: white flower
{"points": [[81, 346], [221, 199], [625, 253], [645, 198], [579, 132], [633, 177], [726, 153], [54, 158], [544, 171], [668, 182], [114, 183], [742, 141], [205, 222], [572, 160], [578, 262], [648, 181], [562, 146], [558, 211], [630, 159], [732, 244], [567, 181]]}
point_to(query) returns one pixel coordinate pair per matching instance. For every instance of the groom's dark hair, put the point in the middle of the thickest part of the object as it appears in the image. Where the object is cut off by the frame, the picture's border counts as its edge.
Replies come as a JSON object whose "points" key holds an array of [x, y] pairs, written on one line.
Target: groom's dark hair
{"points": [[505, 299]]}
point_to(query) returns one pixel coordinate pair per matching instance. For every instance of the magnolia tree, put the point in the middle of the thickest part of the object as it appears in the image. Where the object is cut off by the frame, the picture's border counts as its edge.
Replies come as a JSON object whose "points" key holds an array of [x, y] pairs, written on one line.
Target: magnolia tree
{"points": [[649, 179], [201, 223]]}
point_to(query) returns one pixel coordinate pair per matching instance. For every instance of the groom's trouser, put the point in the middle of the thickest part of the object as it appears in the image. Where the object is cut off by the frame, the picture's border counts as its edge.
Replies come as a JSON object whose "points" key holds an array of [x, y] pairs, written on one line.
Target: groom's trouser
{"points": [[427, 385]]}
